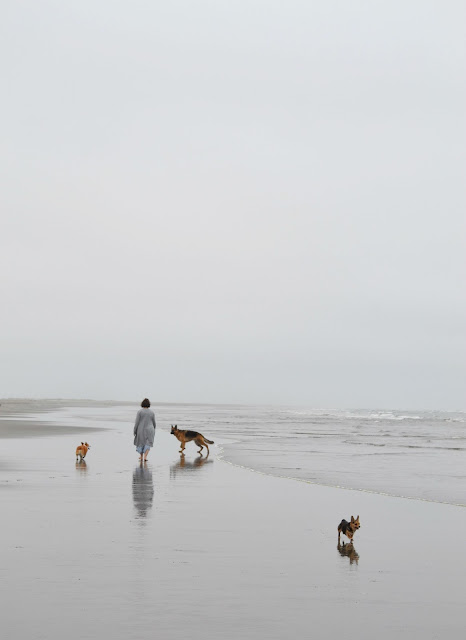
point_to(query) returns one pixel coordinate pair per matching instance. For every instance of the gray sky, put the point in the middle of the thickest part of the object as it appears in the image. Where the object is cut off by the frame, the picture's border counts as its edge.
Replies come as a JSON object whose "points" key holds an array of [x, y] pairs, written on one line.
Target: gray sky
{"points": [[249, 201]]}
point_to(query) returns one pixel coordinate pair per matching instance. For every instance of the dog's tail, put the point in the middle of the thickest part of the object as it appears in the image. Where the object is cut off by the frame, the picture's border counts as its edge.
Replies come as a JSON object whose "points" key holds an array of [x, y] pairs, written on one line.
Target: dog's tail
{"points": [[209, 441]]}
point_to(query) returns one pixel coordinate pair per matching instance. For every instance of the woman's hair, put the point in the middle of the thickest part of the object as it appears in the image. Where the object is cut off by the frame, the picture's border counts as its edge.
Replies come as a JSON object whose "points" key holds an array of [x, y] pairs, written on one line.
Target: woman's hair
{"points": [[145, 403]]}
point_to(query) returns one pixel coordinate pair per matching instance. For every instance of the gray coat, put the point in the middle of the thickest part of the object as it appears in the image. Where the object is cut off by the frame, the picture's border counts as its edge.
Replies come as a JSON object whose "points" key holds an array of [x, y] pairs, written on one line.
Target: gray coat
{"points": [[144, 428]]}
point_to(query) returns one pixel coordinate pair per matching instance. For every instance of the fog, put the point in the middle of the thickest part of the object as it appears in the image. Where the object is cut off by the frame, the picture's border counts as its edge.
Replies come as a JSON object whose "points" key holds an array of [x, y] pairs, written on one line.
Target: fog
{"points": [[248, 202]]}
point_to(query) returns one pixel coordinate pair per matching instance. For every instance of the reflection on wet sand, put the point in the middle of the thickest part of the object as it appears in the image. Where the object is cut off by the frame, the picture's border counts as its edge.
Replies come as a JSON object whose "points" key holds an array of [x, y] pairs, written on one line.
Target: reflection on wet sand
{"points": [[143, 489], [190, 465], [81, 466], [349, 551]]}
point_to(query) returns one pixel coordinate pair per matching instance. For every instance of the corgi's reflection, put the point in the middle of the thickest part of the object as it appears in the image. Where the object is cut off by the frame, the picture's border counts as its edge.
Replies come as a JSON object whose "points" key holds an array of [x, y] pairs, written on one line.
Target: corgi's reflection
{"points": [[348, 550], [143, 489], [81, 466], [184, 465]]}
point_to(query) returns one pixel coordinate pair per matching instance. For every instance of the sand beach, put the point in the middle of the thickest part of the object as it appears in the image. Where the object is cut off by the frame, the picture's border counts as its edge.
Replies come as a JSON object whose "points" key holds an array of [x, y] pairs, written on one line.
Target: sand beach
{"points": [[200, 548]]}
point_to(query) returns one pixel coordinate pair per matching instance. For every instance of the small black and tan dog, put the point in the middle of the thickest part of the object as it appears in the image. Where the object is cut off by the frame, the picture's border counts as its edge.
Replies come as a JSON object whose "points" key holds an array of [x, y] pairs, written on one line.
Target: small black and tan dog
{"points": [[187, 436], [348, 529]]}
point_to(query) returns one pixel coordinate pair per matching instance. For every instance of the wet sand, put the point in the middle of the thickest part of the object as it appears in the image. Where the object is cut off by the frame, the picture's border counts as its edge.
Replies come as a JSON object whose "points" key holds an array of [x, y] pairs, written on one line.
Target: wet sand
{"points": [[21, 418], [198, 548], [35, 429]]}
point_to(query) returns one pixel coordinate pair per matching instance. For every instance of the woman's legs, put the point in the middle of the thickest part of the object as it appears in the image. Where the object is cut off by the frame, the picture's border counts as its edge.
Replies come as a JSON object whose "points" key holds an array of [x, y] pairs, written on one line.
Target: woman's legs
{"points": [[143, 452]]}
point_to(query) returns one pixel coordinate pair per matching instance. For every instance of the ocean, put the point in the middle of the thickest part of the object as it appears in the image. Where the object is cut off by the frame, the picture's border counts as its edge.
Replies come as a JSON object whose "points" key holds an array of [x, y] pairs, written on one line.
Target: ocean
{"points": [[409, 454]]}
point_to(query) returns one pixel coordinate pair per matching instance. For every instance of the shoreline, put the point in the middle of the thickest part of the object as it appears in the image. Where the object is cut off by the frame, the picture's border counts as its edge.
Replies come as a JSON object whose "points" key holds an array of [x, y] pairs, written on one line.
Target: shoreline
{"points": [[15, 422], [43, 405], [19, 428], [221, 457], [18, 418]]}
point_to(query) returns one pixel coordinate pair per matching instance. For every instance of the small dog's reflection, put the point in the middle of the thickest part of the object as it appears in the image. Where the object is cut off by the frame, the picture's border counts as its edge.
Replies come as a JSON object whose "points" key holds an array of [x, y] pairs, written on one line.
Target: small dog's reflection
{"points": [[348, 550], [81, 466]]}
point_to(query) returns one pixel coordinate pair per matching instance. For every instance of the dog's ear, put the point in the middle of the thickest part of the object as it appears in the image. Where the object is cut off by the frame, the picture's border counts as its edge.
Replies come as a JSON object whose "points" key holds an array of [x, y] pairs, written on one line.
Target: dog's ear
{"points": [[82, 442], [357, 519], [352, 518]]}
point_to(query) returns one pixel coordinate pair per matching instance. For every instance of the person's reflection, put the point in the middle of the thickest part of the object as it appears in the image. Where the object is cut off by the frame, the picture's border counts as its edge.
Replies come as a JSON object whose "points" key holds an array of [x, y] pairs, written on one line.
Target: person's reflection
{"points": [[143, 489], [349, 551]]}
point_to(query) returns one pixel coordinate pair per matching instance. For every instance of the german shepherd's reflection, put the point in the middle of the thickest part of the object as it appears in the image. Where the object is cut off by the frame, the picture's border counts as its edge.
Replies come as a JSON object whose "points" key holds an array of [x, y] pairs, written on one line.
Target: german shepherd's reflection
{"points": [[143, 489], [188, 466], [81, 466], [348, 550]]}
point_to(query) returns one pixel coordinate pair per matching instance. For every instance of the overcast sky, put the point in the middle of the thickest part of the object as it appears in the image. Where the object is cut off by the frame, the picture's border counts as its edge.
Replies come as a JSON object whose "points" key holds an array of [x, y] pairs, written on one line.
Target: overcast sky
{"points": [[234, 201]]}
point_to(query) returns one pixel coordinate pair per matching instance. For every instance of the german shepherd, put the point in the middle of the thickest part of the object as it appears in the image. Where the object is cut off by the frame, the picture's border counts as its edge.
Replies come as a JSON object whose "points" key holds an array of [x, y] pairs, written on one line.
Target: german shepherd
{"points": [[82, 450], [348, 529], [187, 436]]}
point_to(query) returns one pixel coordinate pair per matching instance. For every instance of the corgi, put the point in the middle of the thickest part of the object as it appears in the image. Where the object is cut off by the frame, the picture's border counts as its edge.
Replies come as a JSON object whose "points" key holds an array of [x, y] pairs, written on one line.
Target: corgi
{"points": [[187, 436], [82, 450], [348, 529]]}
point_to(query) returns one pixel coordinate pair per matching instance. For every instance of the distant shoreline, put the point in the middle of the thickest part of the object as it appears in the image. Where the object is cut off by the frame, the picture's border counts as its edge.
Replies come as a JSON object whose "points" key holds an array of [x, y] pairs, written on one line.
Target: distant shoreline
{"points": [[52, 403], [15, 423], [36, 429]]}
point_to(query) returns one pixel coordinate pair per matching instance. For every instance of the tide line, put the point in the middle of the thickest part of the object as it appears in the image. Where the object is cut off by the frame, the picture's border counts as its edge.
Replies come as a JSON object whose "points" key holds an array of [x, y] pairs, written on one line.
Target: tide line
{"points": [[220, 457]]}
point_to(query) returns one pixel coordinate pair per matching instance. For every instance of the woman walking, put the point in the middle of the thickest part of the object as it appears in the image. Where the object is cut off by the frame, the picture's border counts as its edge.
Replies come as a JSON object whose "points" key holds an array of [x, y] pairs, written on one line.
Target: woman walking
{"points": [[144, 430]]}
